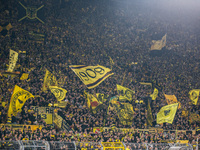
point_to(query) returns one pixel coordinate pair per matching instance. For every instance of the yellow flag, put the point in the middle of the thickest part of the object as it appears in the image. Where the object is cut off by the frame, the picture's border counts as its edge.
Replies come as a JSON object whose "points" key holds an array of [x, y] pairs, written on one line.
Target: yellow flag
{"points": [[167, 113], [58, 92], [24, 76], [49, 80], [158, 45], [124, 111], [91, 76], [12, 60], [17, 100], [155, 94], [124, 93], [171, 99], [194, 95], [92, 102]]}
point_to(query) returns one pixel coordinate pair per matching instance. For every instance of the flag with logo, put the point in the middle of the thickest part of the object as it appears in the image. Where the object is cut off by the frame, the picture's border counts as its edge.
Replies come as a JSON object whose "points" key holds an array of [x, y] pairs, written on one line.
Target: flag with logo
{"points": [[24, 76], [49, 80], [171, 99], [194, 96], [159, 44], [59, 92], [124, 111], [124, 93], [155, 94], [12, 60], [18, 98], [91, 76], [167, 113]]}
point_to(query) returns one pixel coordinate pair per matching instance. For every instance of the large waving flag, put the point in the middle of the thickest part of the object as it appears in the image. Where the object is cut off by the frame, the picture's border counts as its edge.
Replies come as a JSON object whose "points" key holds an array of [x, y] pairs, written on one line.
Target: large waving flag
{"points": [[167, 113], [124, 93], [158, 45], [194, 96], [92, 102], [171, 99], [59, 92], [17, 100], [124, 111], [49, 80], [12, 60], [91, 76]]}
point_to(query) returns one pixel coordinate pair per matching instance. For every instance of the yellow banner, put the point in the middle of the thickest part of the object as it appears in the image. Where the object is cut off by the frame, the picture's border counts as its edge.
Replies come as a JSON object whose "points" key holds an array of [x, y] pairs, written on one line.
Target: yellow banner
{"points": [[91, 76], [158, 45], [155, 94], [12, 60], [167, 113], [59, 92], [45, 113], [24, 76], [61, 104], [146, 83], [194, 96], [21, 127], [171, 99], [17, 100], [124, 93], [49, 80]]}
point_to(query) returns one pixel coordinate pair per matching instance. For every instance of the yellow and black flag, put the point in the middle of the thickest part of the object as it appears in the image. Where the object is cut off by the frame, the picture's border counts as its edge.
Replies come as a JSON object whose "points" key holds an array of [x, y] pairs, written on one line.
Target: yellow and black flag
{"points": [[167, 113], [159, 44], [155, 94], [124, 112], [5, 28], [125, 93], [91, 76], [194, 96], [49, 80], [12, 60], [59, 92], [17, 100]]}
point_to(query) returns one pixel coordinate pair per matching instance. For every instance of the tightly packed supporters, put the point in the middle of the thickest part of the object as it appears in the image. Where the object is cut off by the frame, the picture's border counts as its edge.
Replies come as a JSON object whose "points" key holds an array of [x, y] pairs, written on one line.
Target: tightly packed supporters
{"points": [[89, 33]]}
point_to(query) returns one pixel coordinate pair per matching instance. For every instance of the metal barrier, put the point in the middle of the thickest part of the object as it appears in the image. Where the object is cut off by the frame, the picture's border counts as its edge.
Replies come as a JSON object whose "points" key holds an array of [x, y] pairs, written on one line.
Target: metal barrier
{"points": [[34, 145], [88, 145], [11, 145], [56, 145], [139, 146], [61, 145]]}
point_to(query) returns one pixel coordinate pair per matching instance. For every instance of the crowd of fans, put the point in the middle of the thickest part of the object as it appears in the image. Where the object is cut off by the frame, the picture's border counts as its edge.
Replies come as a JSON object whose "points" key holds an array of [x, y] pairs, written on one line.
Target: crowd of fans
{"points": [[89, 33]]}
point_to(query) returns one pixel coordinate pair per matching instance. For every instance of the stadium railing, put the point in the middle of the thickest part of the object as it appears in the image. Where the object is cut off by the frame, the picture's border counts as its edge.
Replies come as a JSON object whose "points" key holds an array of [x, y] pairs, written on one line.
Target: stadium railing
{"points": [[88, 145]]}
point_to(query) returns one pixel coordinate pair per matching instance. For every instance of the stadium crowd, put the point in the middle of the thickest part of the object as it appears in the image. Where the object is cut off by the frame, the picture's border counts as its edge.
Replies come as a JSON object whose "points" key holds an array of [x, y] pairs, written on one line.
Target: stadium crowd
{"points": [[89, 33]]}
